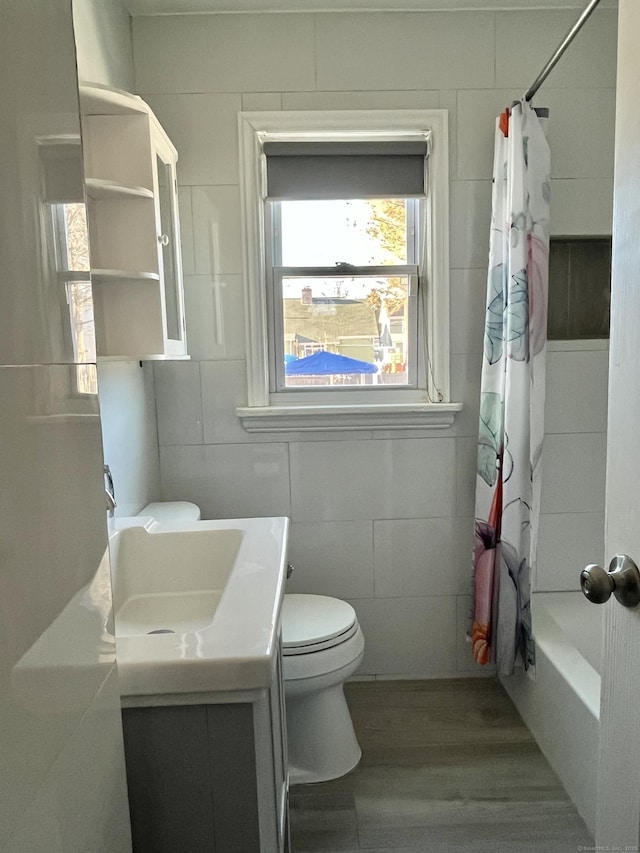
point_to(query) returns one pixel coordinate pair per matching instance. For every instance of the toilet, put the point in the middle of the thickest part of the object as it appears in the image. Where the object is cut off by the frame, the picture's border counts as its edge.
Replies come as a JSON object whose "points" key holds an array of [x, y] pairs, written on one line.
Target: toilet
{"points": [[172, 511], [322, 646]]}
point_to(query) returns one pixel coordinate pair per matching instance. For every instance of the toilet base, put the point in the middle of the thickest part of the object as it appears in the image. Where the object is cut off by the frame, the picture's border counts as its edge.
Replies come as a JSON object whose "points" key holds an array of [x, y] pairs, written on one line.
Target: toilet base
{"points": [[321, 740]]}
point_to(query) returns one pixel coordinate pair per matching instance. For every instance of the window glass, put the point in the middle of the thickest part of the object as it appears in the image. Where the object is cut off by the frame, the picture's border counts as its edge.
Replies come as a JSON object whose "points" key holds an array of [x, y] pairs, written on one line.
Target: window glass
{"points": [[353, 327], [359, 232], [72, 256]]}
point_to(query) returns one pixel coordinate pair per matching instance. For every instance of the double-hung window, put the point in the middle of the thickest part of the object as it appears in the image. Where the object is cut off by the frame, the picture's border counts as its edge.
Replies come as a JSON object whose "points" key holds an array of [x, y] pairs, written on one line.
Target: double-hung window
{"points": [[66, 243], [346, 270]]}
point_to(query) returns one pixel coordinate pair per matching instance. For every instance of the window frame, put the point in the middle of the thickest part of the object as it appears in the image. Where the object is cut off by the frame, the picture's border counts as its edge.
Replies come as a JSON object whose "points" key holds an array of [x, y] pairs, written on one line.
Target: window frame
{"points": [[429, 404]]}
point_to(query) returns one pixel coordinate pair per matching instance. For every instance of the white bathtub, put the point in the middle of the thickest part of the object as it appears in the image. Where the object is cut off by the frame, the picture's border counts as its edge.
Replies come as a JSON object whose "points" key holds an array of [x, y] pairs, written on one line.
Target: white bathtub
{"points": [[561, 703]]}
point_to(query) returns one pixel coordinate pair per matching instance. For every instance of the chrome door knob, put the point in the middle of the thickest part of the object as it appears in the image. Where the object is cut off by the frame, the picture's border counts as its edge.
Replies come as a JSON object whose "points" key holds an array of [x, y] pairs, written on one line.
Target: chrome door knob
{"points": [[622, 579]]}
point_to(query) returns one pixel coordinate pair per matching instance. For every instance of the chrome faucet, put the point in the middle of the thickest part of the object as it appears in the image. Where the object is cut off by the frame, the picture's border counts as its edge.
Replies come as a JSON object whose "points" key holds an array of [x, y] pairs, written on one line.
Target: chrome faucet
{"points": [[109, 491]]}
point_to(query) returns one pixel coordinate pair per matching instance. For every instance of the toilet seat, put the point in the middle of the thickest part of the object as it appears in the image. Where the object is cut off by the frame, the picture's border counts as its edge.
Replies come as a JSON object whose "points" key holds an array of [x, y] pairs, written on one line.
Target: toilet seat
{"points": [[312, 623]]}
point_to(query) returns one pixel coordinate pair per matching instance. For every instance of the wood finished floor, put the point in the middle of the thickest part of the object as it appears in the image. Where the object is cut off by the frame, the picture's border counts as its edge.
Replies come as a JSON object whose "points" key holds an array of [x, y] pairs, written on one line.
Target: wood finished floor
{"points": [[446, 766]]}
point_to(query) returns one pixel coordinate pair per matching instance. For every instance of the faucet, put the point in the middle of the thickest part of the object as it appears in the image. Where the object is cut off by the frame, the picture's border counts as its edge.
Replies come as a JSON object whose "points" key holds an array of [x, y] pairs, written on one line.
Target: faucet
{"points": [[109, 491]]}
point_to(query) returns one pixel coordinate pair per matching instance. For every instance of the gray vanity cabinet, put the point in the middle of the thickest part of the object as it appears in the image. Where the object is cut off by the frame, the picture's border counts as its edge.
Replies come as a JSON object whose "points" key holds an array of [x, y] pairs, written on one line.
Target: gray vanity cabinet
{"points": [[209, 777]]}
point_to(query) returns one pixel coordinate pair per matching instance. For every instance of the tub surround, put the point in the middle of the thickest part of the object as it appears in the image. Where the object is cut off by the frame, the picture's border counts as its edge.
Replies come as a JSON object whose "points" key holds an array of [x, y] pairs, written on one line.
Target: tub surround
{"points": [[561, 702]]}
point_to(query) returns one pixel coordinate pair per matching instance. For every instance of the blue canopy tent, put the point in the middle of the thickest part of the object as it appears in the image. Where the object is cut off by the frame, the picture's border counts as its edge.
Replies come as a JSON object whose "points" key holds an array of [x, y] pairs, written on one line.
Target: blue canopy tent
{"points": [[325, 363]]}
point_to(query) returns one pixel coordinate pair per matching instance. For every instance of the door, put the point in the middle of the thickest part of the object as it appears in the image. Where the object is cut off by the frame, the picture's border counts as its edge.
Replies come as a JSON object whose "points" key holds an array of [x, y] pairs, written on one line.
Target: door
{"points": [[618, 817]]}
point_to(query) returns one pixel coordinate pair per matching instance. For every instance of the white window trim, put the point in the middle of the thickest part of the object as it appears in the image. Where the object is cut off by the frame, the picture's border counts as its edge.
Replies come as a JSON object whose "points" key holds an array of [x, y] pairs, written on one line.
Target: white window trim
{"points": [[406, 409]]}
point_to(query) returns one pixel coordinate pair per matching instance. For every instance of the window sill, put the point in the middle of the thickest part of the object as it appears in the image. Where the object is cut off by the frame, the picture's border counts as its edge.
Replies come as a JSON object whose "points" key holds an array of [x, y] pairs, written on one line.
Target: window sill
{"points": [[348, 417]]}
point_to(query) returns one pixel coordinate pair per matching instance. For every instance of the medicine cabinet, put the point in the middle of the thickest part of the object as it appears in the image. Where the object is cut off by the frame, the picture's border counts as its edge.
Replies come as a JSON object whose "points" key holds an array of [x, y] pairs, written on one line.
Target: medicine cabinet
{"points": [[131, 188]]}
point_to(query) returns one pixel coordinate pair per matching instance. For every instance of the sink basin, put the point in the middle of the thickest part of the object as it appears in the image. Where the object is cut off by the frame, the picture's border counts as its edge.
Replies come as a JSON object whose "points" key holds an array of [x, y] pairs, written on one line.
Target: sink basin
{"points": [[197, 604], [172, 581]]}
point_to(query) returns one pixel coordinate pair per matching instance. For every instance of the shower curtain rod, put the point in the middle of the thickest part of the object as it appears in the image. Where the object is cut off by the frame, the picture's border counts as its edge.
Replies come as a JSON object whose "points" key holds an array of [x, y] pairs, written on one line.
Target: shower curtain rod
{"points": [[564, 44]]}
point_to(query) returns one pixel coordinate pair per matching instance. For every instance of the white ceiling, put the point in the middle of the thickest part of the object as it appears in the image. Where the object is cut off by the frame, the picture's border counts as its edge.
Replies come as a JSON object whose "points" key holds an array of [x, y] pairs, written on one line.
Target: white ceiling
{"points": [[176, 7]]}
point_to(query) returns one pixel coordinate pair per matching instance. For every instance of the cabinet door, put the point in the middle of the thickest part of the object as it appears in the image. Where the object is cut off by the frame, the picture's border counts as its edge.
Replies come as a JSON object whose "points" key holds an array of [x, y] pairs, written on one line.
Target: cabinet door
{"points": [[169, 248]]}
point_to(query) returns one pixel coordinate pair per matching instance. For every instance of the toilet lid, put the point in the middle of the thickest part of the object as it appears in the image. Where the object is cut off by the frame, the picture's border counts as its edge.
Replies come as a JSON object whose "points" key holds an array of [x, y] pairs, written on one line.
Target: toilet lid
{"points": [[315, 620]]}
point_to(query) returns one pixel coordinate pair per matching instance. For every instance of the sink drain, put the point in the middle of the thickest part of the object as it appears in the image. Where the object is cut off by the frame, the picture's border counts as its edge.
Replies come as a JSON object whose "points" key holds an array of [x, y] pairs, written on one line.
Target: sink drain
{"points": [[162, 631]]}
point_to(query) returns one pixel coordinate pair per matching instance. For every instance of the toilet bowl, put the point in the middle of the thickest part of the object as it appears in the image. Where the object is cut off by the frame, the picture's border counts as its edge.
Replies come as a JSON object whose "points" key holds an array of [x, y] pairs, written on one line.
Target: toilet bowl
{"points": [[323, 645]]}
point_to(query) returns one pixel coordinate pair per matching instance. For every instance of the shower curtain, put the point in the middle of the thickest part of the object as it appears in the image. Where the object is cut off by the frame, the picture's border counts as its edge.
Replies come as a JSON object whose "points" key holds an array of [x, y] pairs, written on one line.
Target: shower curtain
{"points": [[512, 394]]}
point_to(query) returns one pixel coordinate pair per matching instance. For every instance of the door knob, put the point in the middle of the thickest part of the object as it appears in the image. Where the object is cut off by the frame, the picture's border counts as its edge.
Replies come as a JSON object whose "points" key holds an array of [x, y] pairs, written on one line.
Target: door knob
{"points": [[622, 579]]}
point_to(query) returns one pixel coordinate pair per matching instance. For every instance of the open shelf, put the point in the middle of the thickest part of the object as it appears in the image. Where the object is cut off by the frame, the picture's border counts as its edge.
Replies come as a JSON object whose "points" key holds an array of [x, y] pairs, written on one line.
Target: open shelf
{"points": [[99, 100], [123, 275], [101, 189]]}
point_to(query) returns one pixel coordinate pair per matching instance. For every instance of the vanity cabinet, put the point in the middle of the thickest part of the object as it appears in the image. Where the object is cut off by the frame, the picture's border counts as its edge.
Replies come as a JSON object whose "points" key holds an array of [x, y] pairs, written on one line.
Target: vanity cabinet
{"points": [[131, 188], [208, 776]]}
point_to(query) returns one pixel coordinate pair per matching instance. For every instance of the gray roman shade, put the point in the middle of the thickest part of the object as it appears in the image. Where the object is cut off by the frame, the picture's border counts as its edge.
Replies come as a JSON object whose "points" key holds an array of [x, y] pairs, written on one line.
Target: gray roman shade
{"points": [[62, 172], [351, 169]]}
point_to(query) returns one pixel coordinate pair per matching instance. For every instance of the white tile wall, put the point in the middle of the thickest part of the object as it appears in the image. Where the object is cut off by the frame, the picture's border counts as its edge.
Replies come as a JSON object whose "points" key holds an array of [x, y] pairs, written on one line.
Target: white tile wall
{"points": [[204, 129], [470, 218], [449, 102], [573, 472], [337, 481], [568, 542], [581, 207], [576, 398], [349, 48], [332, 558], [214, 306], [129, 432], [103, 43], [401, 100], [465, 385], [379, 479], [228, 480], [224, 386], [186, 230], [178, 402], [257, 101], [421, 557], [525, 40], [225, 53], [468, 294], [385, 519], [466, 461], [569, 110], [217, 230], [408, 636], [475, 149]]}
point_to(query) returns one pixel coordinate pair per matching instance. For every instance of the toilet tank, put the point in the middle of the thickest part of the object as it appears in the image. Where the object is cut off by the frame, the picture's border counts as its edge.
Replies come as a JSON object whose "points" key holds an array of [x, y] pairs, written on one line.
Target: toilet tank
{"points": [[164, 511]]}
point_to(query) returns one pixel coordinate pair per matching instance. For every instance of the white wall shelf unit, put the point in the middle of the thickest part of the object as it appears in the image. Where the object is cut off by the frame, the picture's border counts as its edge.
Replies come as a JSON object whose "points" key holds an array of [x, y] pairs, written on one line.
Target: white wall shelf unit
{"points": [[99, 189], [131, 188]]}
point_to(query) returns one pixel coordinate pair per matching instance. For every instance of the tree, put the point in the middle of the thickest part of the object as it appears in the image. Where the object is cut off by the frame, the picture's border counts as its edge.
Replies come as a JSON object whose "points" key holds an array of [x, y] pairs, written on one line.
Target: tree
{"points": [[388, 228]]}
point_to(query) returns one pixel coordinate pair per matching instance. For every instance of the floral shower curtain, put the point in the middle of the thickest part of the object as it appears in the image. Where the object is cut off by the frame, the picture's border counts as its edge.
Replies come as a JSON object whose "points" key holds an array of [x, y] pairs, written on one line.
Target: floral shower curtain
{"points": [[512, 394]]}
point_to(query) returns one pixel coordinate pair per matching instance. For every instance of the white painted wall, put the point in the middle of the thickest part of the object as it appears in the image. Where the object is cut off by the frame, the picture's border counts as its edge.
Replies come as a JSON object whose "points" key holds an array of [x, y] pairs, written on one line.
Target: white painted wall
{"points": [[381, 519], [127, 403], [103, 42], [62, 783]]}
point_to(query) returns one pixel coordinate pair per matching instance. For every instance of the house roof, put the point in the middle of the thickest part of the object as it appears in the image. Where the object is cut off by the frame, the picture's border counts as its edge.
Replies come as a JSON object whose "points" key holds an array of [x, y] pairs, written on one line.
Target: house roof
{"points": [[329, 320]]}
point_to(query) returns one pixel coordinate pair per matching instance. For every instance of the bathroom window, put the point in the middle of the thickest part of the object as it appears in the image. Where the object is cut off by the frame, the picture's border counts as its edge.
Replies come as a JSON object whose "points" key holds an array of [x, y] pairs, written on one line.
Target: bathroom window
{"points": [[68, 250], [346, 269], [343, 323]]}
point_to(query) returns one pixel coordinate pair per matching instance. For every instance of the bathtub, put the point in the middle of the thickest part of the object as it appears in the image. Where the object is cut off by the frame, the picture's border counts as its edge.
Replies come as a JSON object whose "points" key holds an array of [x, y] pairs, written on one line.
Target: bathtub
{"points": [[561, 703]]}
